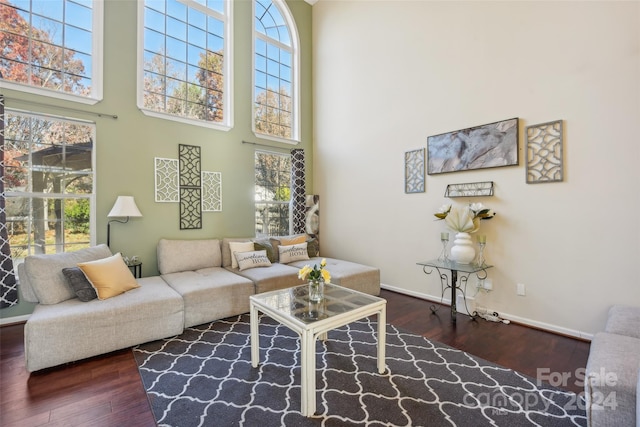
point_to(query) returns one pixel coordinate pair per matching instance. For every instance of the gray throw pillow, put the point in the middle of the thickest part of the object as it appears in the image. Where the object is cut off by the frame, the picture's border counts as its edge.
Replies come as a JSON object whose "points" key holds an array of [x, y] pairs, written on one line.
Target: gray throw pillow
{"points": [[313, 248], [79, 283], [265, 245]]}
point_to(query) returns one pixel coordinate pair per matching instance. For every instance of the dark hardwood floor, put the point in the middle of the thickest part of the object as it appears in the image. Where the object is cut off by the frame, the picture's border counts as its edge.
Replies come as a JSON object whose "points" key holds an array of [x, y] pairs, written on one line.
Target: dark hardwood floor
{"points": [[107, 391]]}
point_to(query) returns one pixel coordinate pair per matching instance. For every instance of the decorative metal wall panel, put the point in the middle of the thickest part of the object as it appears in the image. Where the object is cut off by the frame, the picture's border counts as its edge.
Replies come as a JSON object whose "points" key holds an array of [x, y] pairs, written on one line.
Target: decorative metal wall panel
{"points": [[190, 187], [189, 156], [211, 191], [414, 171], [544, 152], [298, 191], [8, 285], [190, 208], [167, 180]]}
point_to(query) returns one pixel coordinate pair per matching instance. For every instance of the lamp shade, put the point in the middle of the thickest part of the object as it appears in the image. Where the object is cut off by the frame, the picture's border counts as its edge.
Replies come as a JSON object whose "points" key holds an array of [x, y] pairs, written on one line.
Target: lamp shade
{"points": [[124, 206]]}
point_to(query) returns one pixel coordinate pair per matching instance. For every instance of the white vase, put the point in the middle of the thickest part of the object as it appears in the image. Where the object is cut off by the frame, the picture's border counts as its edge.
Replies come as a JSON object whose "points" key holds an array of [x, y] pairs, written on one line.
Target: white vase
{"points": [[462, 250]]}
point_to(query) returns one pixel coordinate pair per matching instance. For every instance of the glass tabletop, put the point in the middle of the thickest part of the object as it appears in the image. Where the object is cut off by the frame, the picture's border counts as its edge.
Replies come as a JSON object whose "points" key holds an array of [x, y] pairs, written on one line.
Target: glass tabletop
{"points": [[452, 265], [294, 302]]}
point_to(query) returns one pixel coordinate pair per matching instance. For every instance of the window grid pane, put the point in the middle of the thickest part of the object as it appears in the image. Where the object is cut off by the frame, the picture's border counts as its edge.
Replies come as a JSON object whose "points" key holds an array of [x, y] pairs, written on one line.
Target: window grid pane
{"points": [[54, 36], [272, 193], [273, 76], [184, 64], [49, 156]]}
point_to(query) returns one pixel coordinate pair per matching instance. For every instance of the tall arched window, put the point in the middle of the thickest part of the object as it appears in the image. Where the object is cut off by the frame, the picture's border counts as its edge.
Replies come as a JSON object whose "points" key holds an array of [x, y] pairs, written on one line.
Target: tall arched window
{"points": [[184, 61], [276, 72]]}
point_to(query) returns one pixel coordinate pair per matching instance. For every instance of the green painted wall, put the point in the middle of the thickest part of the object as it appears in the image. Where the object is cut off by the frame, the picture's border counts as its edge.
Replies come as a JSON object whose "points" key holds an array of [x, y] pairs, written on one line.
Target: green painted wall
{"points": [[126, 147]]}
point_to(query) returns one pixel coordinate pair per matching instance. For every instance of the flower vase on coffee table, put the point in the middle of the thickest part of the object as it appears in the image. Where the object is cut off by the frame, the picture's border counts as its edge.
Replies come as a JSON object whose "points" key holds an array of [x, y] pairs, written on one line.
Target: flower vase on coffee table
{"points": [[316, 290]]}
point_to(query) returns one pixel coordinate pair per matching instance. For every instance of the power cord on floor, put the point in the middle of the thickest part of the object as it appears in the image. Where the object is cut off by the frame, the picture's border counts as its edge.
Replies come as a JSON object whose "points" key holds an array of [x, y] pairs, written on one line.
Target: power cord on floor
{"points": [[492, 317]]}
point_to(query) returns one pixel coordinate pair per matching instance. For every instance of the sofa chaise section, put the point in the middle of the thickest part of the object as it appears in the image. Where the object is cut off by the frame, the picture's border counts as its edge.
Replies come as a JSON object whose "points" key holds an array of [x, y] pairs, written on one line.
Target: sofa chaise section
{"points": [[64, 329], [348, 274], [74, 330]]}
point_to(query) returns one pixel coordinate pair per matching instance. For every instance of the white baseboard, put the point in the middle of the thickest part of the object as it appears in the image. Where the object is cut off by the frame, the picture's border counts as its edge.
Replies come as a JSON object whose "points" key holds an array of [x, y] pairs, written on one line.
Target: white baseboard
{"points": [[447, 301], [521, 320], [14, 319]]}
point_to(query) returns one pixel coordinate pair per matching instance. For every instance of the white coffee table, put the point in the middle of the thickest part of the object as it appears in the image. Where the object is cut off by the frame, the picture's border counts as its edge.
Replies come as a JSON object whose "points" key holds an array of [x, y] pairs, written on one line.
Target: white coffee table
{"points": [[292, 308]]}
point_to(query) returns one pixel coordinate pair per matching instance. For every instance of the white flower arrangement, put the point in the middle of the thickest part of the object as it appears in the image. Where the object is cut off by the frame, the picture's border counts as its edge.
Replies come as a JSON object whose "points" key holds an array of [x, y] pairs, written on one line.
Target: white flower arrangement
{"points": [[464, 219]]}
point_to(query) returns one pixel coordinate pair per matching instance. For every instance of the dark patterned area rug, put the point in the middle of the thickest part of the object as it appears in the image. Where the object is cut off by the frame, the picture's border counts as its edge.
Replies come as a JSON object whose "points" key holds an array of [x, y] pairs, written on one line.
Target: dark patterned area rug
{"points": [[204, 378]]}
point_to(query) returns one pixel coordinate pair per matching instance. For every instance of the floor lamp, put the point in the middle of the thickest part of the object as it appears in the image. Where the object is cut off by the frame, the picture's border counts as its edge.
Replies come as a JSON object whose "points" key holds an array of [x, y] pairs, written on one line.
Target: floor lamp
{"points": [[125, 206]]}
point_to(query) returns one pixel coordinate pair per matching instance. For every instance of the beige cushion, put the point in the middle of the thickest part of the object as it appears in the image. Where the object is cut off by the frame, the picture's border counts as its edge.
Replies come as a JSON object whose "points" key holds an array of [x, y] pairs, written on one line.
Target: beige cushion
{"points": [[236, 247], [278, 276], [211, 293], [292, 239], [109, 276], [253, 259], [45, 272], [292, 253], [226, 250], [186, 255]]}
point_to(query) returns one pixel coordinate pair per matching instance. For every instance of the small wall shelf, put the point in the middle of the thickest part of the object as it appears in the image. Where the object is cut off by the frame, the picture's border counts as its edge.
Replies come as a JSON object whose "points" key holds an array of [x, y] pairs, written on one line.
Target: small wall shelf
{"points": [[470, 189]]}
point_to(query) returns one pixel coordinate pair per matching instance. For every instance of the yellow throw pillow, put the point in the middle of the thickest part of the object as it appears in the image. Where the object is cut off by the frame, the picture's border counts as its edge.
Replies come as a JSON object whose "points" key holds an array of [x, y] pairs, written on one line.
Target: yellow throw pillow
{"points": [[109, 276], [294, 240]]}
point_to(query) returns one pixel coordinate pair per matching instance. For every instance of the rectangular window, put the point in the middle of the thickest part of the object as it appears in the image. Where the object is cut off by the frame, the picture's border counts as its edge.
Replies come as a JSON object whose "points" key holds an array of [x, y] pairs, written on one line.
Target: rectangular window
{"points": [[52, 48], [185, 61], [49, 183], [273, 193]]}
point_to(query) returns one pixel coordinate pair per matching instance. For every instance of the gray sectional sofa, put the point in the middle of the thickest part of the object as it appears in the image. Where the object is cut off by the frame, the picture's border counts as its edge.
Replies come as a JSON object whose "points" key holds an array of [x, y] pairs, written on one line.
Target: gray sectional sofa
{"points": [[197, 284], [612, 383]]}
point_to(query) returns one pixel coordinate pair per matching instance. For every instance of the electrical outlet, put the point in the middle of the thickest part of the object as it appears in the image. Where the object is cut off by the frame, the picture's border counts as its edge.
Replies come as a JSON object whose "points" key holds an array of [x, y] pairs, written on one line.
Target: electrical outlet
{"points": [[487, 284], [520, 289]]}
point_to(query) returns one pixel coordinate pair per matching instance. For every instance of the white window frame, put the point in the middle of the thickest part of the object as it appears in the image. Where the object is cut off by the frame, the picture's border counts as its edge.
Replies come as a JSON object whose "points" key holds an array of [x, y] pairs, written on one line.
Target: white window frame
{"points": [[227, 18], [295, 72], [97, 58], [270, 202], [30, 194]]}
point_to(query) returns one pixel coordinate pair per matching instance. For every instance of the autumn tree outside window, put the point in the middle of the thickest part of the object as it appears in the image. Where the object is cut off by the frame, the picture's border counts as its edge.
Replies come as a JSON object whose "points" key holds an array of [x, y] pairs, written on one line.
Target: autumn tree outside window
{"points": [[272, 193], [52, 48], [49, 183], [185, 61], [276, 69]]}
